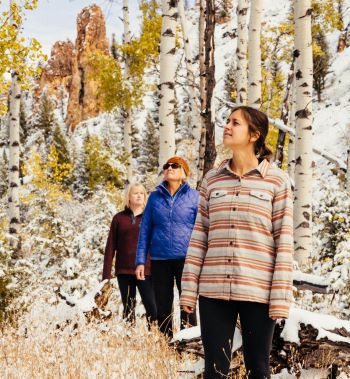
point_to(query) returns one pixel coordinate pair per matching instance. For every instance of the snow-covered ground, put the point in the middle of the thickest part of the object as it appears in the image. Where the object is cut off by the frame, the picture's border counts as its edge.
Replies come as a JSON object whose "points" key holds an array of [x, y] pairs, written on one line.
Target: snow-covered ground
{"points": [[58, 336]]}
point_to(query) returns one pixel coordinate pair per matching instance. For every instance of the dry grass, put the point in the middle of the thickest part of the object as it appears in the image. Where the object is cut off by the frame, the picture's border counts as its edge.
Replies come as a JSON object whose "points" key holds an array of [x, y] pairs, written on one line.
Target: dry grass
{"points": [[89, 352]]}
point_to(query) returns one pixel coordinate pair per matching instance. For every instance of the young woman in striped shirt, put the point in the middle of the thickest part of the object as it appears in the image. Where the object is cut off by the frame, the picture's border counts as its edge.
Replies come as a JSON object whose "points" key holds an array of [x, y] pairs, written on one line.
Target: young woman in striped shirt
{"points": [[240, 256]]}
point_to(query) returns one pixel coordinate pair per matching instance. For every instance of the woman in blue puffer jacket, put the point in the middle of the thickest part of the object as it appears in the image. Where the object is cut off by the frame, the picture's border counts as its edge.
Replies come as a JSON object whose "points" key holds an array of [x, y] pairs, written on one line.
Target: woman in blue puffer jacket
{"points": [[165, 232]]}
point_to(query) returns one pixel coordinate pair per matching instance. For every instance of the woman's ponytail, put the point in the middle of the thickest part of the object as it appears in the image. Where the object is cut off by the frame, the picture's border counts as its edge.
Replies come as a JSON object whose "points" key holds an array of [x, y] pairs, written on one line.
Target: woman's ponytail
{"points": [[265, 153], [262, 151]]}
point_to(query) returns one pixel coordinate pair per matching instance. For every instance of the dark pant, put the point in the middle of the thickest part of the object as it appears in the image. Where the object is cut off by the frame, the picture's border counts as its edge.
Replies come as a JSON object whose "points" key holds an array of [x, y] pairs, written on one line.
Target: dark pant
{"points": [[127, 286], [164, 272], [218, 320]]}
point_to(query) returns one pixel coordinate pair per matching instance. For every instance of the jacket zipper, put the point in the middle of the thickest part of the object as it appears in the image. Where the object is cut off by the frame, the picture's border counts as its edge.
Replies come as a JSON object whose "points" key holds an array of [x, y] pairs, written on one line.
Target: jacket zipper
{"points": [[172, 201]]}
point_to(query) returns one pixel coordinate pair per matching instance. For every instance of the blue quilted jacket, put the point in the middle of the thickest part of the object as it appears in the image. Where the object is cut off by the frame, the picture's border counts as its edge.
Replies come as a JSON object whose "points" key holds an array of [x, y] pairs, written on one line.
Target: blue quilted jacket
{"points": [[167, 224]]}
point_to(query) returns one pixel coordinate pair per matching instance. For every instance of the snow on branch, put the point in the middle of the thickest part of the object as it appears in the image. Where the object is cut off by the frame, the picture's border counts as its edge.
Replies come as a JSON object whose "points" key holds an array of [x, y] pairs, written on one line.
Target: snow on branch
{"points": [[311, 282], [93, 303]]}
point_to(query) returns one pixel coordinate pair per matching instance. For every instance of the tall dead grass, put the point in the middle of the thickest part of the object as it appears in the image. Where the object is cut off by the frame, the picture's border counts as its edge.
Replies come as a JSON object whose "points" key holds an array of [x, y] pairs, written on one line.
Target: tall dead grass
{"points": [[88, 352]]}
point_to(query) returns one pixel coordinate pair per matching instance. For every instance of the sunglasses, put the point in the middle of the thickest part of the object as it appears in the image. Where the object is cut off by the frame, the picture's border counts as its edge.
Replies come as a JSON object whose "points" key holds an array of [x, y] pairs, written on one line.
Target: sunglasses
{"points": [[172, 165]]}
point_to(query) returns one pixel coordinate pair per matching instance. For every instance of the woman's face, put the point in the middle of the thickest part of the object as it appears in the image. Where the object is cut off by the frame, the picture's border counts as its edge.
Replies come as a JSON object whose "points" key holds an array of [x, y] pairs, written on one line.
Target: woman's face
{"points": [[136, 197], [236, 132], [173, 174]]}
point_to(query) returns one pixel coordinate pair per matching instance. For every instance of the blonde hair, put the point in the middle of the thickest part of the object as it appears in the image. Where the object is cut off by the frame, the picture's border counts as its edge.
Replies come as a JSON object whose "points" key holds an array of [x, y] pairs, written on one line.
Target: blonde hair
{"points": [[129, 188]]}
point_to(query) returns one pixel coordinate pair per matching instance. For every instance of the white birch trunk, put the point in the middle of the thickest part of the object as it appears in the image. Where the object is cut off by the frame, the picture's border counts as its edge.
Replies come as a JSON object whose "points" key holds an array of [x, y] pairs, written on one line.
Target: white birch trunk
{"points": [[348, 162], [254, 55], [14, 141], [303, 145], [291, 141], [348, 167], [15, 100], [242, 45], [127, 112], [190, 75], [167, 82], [195, 107]]}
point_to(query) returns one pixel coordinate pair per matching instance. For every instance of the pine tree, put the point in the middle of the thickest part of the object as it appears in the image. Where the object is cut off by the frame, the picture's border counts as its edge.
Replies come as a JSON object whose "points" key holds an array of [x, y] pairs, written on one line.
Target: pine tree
{"points": [[80, 176], [230, 83], [135, 141], [150, 147], [321, 63], [4, 163], [99, 169], [46, 119], [23, 124]]}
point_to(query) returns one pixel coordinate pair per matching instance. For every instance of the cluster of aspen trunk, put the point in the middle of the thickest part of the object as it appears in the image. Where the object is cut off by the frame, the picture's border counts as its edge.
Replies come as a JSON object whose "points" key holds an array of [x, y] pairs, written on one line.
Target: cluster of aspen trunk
{"points": [[296, 110]]}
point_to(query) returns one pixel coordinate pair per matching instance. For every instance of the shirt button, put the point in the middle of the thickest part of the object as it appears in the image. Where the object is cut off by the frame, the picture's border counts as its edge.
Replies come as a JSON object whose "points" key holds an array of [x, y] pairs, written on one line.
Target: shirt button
{"points": [[229, 260], [232, 226], [228, 276], [231, 242], [237, 193], [234, 208]]}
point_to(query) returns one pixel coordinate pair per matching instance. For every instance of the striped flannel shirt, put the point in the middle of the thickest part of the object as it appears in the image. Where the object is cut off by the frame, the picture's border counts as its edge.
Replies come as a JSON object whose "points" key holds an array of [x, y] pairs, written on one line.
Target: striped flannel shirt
{"points": [[241, 246]]}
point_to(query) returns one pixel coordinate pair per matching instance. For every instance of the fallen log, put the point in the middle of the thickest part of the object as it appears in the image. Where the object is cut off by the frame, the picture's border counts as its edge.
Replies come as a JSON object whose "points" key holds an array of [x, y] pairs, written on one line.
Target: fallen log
{"points": [[311, 282], [92, 305], [305, 340]]}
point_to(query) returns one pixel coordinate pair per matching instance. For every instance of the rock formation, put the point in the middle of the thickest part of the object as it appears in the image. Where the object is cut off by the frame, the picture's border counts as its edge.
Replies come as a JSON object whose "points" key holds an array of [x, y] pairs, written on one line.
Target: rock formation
{"points": [[69, 68]]}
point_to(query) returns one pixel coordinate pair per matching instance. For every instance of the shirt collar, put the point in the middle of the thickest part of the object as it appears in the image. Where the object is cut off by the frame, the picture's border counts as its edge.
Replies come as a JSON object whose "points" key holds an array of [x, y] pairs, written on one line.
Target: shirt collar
{"points": [[262, 167]]}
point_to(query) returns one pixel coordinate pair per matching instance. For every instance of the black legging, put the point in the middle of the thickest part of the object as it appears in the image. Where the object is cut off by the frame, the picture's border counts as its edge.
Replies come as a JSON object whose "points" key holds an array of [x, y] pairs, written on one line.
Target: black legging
{"points": [[127, 286], [164, 273], [218, 320]]}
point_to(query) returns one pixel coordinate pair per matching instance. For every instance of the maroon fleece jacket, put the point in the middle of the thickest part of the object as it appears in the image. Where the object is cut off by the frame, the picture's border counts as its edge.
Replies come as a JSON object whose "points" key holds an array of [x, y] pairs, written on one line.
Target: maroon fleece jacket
{"points": [[122, 243]]}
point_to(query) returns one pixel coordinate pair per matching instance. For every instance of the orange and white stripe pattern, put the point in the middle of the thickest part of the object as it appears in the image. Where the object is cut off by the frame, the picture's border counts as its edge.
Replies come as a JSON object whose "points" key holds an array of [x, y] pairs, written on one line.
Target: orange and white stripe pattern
{"points": [[242, 242]]}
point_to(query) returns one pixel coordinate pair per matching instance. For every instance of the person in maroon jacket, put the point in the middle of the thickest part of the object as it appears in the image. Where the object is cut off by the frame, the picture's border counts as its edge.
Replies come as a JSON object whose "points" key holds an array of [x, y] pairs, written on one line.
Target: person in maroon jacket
{"points": [[121, 244]]}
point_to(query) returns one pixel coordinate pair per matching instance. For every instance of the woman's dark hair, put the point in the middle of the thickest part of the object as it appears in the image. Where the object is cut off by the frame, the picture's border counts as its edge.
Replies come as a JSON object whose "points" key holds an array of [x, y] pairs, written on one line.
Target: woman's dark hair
{"points": [[258, 124]]}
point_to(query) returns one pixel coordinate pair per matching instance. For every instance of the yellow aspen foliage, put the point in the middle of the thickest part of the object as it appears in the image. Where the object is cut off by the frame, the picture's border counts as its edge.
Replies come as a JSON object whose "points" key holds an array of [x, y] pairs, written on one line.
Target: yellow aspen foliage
{"points": [[112, 87], [98, 167], [142, 53], [273, 80], [17, 52], [276, 48], [58, 171], [37, 169]]}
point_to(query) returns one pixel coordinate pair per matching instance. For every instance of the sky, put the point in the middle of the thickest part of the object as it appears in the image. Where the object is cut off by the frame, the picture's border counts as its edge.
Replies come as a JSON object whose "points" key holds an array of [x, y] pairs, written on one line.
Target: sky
{"points": [[55, 20]]}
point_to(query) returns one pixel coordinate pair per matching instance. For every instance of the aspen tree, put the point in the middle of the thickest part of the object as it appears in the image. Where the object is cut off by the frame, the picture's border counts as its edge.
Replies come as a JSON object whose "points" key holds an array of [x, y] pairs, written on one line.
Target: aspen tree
{"points": [[127, 115], [190, 75], [303, 127], [202, 81], [167, 81], [241, 52], [254, 55], [209, 112]]}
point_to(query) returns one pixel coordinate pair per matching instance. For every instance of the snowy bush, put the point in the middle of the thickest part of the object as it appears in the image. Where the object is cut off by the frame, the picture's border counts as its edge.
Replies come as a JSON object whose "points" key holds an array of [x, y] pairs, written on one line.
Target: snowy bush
{"points": [[332, 243], [331, 218]]}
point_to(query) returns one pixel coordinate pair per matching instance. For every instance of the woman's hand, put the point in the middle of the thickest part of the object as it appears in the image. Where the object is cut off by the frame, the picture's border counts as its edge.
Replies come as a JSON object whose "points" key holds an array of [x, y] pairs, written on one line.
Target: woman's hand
{"points": [[188, 309], [140, 272]]}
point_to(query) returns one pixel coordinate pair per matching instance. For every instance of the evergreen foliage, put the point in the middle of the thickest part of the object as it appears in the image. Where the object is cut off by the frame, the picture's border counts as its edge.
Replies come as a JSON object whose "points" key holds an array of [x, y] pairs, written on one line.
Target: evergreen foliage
{"points": [[150, 147], [4, 167], [99, 170], [230, 83], [46, 118], [321, 63]]}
